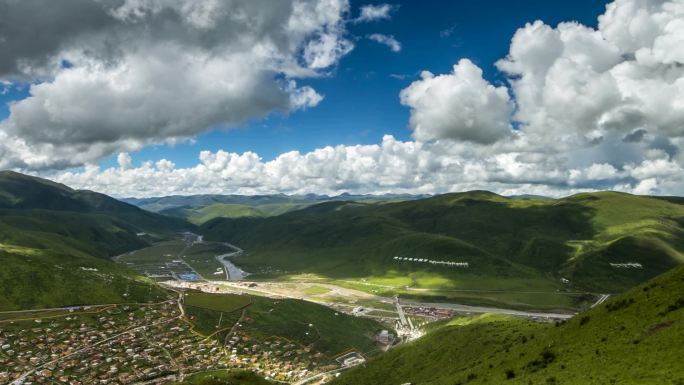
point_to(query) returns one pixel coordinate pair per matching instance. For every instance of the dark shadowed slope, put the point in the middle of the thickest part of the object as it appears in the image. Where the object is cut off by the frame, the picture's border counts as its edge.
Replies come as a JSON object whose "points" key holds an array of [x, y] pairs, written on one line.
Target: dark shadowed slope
{"points": [[23, 192]]}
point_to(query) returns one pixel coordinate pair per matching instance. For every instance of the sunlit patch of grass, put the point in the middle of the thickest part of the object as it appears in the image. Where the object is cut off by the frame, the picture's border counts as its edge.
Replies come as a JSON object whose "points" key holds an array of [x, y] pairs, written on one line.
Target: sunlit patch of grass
{"points": [[482, 318], [316, 290], [20, 250]]}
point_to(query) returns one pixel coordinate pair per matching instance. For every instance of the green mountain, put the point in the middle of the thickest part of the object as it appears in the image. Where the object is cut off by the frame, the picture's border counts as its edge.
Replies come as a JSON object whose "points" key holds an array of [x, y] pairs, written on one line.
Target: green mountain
{"points": [[509, 244], [204, 214], [199, 209], [23, 192], [55, 243], [634, 338]]}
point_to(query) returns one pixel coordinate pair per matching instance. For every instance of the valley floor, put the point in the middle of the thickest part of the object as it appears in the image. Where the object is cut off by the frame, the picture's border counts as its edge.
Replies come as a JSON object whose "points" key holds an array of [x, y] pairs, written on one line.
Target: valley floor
{"points": [[217, 320]]}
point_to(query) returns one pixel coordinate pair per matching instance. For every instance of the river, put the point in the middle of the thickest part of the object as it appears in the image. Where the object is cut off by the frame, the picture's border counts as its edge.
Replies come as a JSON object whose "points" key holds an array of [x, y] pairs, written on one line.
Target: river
{"points": [[233, 273]]}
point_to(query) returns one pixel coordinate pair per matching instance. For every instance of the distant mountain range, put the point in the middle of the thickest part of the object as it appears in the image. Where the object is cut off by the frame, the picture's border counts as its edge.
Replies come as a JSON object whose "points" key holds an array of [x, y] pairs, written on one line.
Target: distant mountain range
{"points": [[199, 209], [598, 242], [207, 199]]}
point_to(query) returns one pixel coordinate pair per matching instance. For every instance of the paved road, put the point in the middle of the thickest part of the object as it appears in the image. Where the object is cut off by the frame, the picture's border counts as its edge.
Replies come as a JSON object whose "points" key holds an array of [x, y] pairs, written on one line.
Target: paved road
{"points": [[54, 309], [80, 307], [467, 290], [602, 299], [483, 309], [400, 312]]}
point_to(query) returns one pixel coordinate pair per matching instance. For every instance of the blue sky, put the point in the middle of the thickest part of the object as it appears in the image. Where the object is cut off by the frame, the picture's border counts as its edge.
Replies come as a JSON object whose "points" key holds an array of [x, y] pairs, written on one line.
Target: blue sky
{"points": [[361, 102], [306, 96]]}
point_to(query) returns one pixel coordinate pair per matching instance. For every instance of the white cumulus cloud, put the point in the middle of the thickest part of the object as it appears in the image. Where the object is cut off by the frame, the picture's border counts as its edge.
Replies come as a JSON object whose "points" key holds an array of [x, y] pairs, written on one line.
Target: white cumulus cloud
{"points": [[390, 166], [387, 40], [460, 105], [372, 12], [579, 108], [149, 72]]}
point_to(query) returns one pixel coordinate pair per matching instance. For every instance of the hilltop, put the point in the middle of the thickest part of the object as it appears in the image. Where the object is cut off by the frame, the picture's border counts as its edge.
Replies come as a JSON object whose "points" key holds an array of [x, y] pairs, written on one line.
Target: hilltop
{"points": [[24, 192], [577, 243], [55, 243], [634, 338]]}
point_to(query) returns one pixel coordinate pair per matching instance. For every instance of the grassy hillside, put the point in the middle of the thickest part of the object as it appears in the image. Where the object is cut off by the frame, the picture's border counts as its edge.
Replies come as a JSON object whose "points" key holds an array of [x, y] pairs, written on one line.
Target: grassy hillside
{"points": [[303, 323], [634, 338], [36, 278], [204, 214], [55, 241], [224, 377], [22, 192], [530, 243]]}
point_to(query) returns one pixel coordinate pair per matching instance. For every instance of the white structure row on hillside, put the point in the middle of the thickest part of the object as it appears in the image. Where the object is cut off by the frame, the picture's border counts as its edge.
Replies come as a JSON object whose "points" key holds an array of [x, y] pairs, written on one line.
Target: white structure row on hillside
{"points": [[431, 261], [627, 265]]}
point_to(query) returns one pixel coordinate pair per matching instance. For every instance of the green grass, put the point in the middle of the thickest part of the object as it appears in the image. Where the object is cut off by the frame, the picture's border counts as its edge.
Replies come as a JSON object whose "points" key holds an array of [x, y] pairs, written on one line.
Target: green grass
{"points": [[202, 258], [316, 290], [199, 209], [304, 323], [211, 323], [34, 279], [223, 303], [224, 377], [155, 254], [222, 210], [202, 214], [513, 294], [634, 338]]}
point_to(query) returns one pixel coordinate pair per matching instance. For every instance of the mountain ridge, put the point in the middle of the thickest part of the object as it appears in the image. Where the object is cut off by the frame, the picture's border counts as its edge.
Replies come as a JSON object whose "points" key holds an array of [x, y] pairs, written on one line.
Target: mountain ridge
{"points": [[55, 243], [575, 237]]}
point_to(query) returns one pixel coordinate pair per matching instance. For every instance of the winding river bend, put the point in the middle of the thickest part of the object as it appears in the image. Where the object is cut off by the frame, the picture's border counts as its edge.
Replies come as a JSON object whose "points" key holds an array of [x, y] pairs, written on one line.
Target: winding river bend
{"points": [[233, 273]]}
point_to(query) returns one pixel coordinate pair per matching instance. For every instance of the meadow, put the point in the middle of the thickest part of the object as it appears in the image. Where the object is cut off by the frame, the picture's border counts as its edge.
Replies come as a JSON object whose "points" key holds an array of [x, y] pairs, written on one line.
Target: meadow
{"points": [[200, 256], [301, 322], [36, 278]]}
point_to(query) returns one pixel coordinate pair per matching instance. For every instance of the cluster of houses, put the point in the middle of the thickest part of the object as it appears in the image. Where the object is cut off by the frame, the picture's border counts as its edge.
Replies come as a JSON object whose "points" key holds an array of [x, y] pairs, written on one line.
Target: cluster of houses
{"points": [[132, 344], [119, 345], [274, 358], [627, 265], [431, 261], [429, 312], [384, 338]]}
